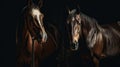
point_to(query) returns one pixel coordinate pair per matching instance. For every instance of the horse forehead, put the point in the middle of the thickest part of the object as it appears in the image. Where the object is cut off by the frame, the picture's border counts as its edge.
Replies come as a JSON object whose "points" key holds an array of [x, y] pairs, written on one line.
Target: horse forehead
{"points": [[36, 12]]}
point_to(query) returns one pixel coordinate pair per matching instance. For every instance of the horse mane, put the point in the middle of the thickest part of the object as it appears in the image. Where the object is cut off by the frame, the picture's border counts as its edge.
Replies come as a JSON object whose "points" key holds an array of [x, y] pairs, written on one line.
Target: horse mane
{"points": [[92, 25], [22, 26], [112, 40], [90, 20], [109, 33]]}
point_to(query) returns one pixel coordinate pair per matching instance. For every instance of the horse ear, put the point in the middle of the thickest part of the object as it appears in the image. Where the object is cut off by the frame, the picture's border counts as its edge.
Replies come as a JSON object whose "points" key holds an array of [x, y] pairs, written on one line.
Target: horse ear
{"points": [[29, 2], [68, 10], [78, 8], [40, 3]]}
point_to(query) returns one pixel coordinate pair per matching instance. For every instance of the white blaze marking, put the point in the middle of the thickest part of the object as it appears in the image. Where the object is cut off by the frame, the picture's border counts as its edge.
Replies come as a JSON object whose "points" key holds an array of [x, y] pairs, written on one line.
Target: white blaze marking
{"points": [[75, 33], [36, 12]]}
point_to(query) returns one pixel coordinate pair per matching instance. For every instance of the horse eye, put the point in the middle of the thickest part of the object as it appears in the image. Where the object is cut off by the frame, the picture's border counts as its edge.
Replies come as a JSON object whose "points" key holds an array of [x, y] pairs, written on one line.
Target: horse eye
{"points": [[42, 16]]}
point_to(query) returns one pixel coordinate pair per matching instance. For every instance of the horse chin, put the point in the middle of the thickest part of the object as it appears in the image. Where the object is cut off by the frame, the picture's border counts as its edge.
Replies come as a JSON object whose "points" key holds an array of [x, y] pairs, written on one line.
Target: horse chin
{"points": [[74, 46]]}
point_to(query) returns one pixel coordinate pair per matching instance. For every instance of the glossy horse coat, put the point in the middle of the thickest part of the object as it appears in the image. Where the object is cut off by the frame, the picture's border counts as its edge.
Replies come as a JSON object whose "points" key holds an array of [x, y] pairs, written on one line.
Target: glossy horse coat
{"points": [[102, 40], [35, 41]]}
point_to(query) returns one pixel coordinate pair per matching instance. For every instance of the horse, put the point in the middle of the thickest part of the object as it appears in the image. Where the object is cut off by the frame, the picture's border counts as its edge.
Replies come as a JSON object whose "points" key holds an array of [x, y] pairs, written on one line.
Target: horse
{"points": [[35, 41], [103, 41], [76, 55]]}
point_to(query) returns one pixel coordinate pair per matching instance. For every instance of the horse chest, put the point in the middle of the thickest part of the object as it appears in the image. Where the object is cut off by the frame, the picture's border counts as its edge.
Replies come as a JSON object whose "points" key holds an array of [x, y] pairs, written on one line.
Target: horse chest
{"points": [[36, 45], [98, 46]]}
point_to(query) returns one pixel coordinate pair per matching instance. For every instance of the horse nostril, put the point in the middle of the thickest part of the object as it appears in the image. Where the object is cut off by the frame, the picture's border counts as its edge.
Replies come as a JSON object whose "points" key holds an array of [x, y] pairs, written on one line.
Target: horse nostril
{"points": [[75, 45], [75, 42]]}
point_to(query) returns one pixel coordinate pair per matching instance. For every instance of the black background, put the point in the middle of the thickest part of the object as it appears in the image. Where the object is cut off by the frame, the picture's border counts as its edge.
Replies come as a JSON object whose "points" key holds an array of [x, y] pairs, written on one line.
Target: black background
{"points": [[105, 11]]}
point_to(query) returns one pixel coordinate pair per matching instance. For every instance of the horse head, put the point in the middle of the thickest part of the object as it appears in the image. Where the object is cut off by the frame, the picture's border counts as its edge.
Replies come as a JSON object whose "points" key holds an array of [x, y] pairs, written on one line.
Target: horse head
{"points": [[34, 20], [74, 26]]}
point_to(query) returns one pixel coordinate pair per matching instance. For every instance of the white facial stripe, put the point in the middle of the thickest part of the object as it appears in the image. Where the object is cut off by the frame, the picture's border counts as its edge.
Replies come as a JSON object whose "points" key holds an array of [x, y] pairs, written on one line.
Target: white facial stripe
{"points": [[36, 12], [75, 33]]}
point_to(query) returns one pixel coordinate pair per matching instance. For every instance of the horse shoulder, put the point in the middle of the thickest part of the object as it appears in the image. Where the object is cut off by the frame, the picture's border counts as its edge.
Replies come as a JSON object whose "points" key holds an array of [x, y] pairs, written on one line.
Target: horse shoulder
{"points": [[28, 41], [98, 47]]}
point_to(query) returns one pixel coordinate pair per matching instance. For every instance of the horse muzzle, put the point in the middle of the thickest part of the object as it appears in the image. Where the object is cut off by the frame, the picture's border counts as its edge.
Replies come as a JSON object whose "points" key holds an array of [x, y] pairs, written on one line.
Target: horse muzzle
{"points": [[74, 46], [44, 37]]}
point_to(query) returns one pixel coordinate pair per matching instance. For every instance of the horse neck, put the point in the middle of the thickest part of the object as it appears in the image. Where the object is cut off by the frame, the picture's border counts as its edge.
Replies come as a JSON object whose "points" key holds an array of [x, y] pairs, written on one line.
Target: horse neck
{"points": [[85, 27], [88, 24], [90, 29]]}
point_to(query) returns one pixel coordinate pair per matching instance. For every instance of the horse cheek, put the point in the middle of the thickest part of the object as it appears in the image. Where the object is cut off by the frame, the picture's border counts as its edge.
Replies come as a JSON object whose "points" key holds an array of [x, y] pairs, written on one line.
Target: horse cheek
{"points": [[29, 44]]}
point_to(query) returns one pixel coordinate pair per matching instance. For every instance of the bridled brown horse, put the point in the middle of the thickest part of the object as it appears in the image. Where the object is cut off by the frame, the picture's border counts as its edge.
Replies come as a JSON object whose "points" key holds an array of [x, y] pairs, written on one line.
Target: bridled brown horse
{"points": [[102, 40], [35, 41]]}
